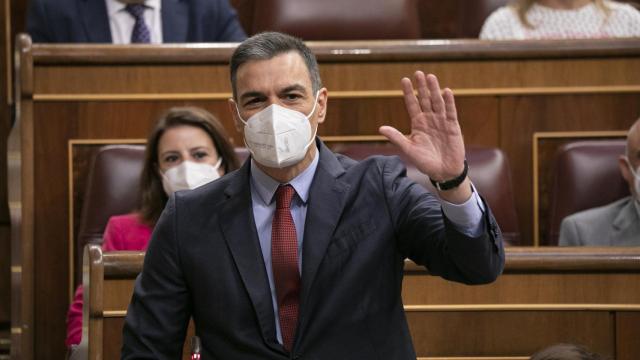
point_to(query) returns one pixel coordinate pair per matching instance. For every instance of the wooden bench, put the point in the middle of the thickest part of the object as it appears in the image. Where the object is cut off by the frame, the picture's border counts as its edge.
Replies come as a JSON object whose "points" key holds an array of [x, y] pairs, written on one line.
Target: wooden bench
{"points": [[589, 296], [75, 98]]}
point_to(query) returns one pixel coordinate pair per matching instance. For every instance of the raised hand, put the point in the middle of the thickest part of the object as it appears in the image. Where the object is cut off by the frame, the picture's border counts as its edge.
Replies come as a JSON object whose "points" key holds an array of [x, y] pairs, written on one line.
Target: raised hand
{"points": [[435, 145]]}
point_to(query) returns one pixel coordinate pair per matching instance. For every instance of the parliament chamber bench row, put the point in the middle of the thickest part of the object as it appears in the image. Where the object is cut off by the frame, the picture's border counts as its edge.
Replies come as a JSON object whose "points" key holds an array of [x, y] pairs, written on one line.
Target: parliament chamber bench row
{"points": [[588, 296], [525, 99], [113, 182]]}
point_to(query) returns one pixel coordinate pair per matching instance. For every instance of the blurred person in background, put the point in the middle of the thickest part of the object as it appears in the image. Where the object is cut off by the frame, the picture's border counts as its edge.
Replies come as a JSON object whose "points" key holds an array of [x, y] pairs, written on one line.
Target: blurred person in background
{"points": [[188, 148], [562, 19], [565, 352], [615, 224], [133, 21]]}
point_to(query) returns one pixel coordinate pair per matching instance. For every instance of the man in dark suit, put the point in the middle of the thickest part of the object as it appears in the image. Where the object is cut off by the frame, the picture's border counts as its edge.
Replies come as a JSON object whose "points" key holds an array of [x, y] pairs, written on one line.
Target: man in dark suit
{"points": [[109, 21], [300, 253]]}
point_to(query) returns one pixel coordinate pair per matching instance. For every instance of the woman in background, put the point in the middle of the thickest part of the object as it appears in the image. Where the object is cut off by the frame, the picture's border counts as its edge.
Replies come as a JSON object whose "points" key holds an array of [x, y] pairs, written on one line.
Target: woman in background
{"points": [[187, 148], [562, 19]]}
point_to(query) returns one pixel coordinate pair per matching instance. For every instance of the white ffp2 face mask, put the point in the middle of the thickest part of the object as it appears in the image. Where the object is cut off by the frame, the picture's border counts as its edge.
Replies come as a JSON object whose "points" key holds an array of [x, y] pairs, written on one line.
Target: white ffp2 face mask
{"points": [[278, 137], [189, 175]]}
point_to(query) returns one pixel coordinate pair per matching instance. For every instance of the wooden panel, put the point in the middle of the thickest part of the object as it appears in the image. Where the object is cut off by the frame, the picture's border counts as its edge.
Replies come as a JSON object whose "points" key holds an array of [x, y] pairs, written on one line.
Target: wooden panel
{"points": [[495, 333], [559, 279], [112, 338], [627, 339], [130, 79], [117, 294], [505, 92], [6, 100], [521, 116], [545, 148], [514, 288]]}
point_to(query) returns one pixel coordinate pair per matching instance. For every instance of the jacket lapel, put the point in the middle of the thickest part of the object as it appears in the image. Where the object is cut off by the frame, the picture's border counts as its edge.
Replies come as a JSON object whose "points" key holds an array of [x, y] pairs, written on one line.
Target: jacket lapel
{"points": [[238, 228], [175, 21], [95, 20], [325, 205], [626, 226]]}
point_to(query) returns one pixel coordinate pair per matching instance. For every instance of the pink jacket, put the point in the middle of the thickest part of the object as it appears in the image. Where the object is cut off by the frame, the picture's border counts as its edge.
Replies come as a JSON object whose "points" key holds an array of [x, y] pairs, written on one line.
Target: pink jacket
{"points": [[123, 232]]}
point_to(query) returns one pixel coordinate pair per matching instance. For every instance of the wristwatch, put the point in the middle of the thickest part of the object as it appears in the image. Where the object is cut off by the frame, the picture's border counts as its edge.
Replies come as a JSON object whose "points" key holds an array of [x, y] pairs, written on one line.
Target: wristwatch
{"points": [[453, 183]]}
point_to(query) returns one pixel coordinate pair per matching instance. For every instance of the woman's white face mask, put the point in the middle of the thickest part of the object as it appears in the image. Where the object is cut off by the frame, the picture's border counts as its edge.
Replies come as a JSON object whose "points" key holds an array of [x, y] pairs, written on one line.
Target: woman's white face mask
{"points": [[278, 137], [189, 175]]}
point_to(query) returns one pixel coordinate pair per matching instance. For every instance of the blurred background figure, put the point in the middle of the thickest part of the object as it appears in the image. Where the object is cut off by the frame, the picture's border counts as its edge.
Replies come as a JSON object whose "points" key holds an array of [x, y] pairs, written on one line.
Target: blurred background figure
{"points": [[562, 19], [616, 224], [133, 21], [188, 148], [565, 352]]}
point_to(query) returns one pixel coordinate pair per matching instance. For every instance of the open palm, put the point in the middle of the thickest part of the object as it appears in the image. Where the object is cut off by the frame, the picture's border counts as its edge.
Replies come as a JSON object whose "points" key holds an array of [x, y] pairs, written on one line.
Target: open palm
{"points": [[435, 145]]}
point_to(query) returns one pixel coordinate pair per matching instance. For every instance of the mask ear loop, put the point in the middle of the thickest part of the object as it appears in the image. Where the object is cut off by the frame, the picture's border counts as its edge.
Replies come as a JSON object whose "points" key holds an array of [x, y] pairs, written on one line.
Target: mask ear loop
{"points": [[244, 139], [217, 165], [313, 138]]}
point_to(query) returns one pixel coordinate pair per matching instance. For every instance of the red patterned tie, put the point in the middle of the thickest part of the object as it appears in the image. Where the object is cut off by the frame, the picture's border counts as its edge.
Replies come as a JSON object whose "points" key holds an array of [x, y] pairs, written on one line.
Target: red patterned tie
{"points": [[284, 260]]}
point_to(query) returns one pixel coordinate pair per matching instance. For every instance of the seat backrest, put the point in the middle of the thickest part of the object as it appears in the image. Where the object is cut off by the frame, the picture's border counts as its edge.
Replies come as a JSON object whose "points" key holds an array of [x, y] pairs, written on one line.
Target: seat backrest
{"points": [[586, 175], [339, 20], [488, 169], [113, 188], [455, 18]]}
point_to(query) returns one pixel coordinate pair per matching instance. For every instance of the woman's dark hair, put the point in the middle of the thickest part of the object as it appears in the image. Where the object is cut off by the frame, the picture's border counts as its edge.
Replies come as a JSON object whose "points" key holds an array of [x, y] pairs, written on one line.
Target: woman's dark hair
{"points": [[153, 197]]}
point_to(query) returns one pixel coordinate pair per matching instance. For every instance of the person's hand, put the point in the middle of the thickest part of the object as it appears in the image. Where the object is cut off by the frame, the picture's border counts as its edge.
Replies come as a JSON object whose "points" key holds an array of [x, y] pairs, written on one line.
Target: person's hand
{"points": [[435, 145]]}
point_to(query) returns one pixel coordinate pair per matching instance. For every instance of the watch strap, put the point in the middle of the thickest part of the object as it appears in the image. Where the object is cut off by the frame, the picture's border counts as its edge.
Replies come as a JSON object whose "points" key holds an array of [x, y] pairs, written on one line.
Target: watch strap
{"points": [[453, 183]]}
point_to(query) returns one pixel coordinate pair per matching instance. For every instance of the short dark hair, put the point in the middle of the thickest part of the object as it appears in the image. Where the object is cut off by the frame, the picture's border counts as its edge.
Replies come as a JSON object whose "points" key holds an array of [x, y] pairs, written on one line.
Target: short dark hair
{"points": [[153, 197], [565, 352], [267, 45]]}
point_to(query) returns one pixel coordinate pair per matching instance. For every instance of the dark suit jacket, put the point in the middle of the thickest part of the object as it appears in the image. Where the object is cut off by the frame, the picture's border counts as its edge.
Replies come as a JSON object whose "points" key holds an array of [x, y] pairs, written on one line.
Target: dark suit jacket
{"points": [[363, 219], [86, 21]]}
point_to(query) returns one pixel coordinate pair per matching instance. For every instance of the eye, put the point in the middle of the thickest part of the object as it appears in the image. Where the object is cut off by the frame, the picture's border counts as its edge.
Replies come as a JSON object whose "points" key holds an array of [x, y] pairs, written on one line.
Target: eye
{"points": [[171, 158], [292, 97], [253, 102], [198, 155]]}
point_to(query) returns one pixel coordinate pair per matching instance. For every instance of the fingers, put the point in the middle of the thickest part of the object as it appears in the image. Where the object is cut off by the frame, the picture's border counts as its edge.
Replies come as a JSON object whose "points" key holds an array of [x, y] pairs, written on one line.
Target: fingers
{"points": [[437, 103], [423, 92], [395, 137], [450, 105], [410, 101]]}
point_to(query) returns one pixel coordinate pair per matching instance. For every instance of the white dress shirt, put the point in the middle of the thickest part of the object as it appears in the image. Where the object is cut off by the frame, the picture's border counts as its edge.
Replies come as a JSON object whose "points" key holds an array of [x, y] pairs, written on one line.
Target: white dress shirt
{"points": [[121, 22]]}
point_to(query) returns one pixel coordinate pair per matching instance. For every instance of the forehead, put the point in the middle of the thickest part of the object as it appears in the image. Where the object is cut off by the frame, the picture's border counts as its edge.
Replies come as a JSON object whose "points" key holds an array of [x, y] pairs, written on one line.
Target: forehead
{"points": [[183, 136], [279, 72]]}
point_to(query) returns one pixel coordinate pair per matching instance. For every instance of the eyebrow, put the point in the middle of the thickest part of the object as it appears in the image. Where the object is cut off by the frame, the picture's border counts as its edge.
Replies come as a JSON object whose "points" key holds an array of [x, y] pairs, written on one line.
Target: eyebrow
{"points": [[294, 87], [203, 147], [290, 88]]}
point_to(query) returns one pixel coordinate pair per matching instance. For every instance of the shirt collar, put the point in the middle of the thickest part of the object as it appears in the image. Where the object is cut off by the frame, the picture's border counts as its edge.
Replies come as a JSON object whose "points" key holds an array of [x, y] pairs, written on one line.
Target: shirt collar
{"points": [[266, 186], [114, 6]]}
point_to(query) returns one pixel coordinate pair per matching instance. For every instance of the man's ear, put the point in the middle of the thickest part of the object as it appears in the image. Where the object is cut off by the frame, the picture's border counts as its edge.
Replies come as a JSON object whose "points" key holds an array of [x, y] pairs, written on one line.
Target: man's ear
{"points": [[624, 169], [234, 112], [323, 98]]}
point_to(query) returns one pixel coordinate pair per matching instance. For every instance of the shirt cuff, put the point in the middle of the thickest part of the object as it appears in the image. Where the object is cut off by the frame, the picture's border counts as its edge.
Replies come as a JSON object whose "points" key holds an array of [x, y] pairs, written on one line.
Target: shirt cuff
{"points": [[466, 217]]}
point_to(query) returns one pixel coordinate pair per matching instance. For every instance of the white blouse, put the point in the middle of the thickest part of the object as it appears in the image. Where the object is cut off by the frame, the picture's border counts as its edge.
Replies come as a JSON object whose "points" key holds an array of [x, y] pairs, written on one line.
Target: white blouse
{"points": [[588, 21]]}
